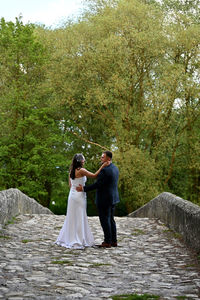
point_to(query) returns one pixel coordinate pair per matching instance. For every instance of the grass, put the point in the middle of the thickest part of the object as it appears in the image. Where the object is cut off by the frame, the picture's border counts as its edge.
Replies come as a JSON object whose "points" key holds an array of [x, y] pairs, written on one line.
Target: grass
{"points": [[173, 233], [137, 232], [135, 297], [177, 235], [5, 237], [183, 298], [37, 240], [71, 263], [190, 266], [62, 262], [12, 221], [99, 265], [26, 241], [73, 252]]}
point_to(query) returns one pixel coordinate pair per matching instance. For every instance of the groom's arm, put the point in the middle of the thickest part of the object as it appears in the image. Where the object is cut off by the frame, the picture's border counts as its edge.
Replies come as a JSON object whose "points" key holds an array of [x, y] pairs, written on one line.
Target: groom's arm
{"points": [[100, 181]]}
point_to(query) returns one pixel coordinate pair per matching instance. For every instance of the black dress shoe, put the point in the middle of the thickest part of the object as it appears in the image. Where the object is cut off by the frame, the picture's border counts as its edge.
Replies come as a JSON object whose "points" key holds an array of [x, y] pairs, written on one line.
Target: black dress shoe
{"points": [[104, 245], [114, 244]]}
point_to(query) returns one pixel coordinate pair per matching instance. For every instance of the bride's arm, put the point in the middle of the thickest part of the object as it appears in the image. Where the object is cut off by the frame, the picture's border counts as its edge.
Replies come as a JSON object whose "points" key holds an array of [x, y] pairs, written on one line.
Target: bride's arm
{"points": [[70, 182], [86, 173]]}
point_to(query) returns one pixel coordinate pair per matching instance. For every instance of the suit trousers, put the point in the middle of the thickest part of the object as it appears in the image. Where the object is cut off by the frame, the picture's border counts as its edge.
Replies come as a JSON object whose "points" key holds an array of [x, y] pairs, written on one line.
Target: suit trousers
{"points": [[106, 217]]}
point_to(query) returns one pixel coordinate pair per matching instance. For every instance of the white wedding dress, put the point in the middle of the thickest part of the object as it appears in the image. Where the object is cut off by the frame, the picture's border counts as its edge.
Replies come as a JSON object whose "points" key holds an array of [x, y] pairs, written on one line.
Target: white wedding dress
{"points": [[76, 233]]}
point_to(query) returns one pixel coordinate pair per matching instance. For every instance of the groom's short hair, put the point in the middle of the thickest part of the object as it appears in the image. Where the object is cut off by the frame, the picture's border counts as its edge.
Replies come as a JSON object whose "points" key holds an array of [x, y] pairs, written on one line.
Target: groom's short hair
{"points": [[108, 153]]}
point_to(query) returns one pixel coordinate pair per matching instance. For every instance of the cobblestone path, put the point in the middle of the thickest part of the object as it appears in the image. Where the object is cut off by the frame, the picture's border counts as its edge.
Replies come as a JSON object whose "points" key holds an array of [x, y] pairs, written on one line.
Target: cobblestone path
{"points": [[150, 259]]}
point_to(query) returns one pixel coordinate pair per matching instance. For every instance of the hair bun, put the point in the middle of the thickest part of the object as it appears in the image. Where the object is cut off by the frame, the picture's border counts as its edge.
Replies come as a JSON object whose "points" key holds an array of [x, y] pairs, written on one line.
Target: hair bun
{"points": [[79, 157]]}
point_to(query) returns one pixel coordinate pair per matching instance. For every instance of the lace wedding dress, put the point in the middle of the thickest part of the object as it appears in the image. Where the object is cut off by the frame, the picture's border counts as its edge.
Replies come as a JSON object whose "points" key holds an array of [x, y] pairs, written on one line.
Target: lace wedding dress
{"points": [[76, 232]]}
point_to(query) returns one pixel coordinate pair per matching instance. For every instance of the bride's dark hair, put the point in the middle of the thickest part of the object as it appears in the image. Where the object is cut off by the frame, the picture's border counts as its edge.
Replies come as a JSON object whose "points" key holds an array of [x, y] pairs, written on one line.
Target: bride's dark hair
{"points": [[77, 162]]}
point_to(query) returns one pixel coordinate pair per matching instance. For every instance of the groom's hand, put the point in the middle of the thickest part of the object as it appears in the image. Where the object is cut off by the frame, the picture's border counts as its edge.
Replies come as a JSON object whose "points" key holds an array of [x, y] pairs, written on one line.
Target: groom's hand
{"points": [[79, 188]]}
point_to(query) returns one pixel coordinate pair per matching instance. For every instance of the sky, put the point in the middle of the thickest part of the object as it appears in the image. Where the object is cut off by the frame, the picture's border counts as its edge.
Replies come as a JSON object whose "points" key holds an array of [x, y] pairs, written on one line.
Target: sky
{"points": [[47, 12]]}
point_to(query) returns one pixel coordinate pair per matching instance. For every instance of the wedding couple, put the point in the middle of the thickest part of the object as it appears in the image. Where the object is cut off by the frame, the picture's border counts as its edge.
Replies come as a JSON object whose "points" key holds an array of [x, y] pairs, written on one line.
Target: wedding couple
{"points": [[76, 232]]}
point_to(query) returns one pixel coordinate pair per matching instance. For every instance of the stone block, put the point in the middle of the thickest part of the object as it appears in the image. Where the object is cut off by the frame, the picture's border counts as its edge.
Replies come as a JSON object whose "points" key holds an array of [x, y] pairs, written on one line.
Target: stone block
{"points": [[13, 202], [178, 214]]}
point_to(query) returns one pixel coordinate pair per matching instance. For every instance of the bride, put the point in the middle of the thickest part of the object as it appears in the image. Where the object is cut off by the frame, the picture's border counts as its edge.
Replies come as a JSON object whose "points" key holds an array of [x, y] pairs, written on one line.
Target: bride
{"points": [[76, 232]]}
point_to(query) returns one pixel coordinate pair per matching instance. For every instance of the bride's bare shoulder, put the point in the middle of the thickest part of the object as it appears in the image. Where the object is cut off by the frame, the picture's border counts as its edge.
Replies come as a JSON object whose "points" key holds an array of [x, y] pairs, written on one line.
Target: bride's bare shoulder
{"points": [[80, 172]]}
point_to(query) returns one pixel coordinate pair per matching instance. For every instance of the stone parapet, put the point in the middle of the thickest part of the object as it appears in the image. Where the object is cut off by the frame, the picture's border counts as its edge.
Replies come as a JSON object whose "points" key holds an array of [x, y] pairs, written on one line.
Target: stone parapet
{"points": [[178, 214], [13, 202]]}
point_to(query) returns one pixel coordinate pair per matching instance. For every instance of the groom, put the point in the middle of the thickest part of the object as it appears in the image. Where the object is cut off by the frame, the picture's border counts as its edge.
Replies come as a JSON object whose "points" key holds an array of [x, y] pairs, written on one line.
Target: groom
{"points": [[106, 198]]}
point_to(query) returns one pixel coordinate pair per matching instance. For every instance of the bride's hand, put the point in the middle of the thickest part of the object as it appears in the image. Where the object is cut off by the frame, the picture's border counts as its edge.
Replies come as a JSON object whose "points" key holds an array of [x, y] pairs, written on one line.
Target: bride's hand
{"points": [[105, 164]]}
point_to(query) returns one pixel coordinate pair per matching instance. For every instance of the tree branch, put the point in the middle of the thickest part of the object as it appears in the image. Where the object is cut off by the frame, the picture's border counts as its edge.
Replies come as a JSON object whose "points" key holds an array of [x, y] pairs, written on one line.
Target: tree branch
{"points": [[89, 142]]}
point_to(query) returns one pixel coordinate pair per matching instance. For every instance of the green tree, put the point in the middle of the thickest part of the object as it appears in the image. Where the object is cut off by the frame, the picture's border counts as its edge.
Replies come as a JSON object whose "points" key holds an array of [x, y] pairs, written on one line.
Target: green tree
{"points": [[124, 77], [31, 146], [119, 77], [99, 71], [184, 172]]}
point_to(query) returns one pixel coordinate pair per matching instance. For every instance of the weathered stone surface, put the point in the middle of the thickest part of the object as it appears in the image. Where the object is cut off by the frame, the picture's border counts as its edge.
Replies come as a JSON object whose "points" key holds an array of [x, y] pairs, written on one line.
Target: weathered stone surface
{"points": [[13, 202], [178, 214], [149, 259]]}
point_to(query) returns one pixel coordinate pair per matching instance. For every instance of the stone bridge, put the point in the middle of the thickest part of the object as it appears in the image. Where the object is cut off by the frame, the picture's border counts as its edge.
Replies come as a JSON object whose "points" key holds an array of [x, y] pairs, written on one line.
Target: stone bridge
{"points": [[151, 259]]}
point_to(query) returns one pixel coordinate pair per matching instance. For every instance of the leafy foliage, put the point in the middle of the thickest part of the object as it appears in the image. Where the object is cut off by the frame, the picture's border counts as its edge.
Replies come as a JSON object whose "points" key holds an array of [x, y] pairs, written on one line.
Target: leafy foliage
{"points": [[124, 77], [130, 83], [31, 145]]}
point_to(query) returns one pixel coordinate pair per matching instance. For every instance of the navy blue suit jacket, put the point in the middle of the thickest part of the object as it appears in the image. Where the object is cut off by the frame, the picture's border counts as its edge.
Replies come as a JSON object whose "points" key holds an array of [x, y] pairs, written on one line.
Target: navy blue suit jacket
{"points": [[106, 186]]}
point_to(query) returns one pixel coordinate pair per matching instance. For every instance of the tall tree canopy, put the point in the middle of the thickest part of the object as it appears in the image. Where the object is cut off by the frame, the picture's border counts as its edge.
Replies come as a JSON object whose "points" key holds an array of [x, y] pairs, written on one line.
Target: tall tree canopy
{"points": [[125, 77], [128, 76], [31, 142]]}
